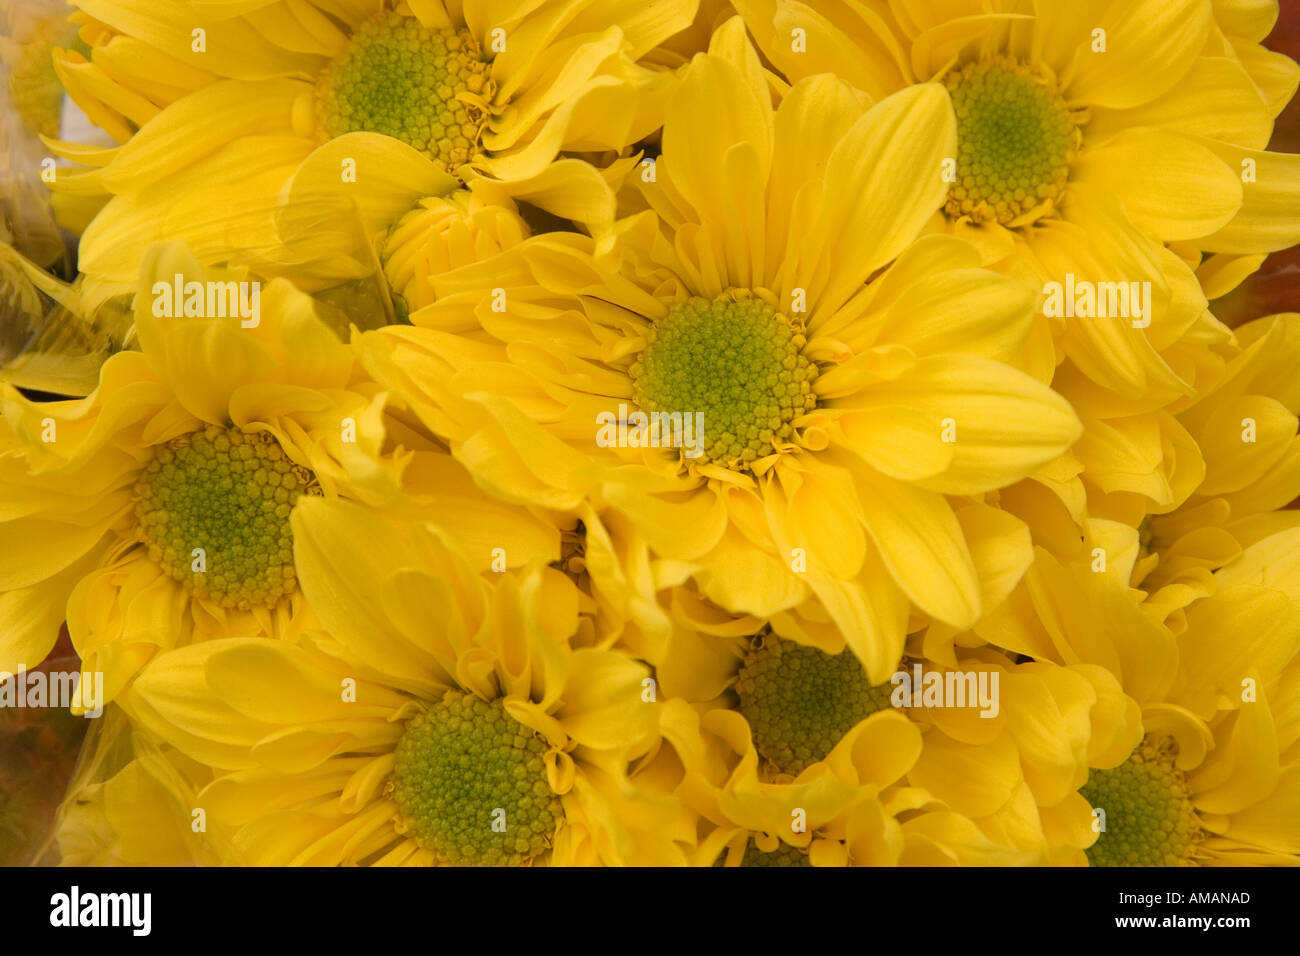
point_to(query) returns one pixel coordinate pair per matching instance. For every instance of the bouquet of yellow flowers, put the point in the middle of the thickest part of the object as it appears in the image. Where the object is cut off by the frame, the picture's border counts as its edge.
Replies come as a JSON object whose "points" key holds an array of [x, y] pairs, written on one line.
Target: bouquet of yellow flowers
{"points": [[624, 433]]}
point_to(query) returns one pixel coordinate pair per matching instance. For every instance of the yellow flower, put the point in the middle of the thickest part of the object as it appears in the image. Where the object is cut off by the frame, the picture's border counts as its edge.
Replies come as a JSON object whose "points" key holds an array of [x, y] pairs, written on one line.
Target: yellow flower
{"points": [[401, 99], [1180, 496], [1128, 98], [1097, 143], [832, 813], [996, 789], [156, 510], [821, 471], [484, 740], [1245, 425], [1240, 27], [1211, 778], [983, 773], [1090, 136]]}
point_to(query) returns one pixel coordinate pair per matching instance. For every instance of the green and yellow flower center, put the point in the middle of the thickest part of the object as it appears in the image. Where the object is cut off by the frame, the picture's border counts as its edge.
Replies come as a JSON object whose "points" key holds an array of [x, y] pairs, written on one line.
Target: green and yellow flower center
{"points": [[783, 855], [1015, 140], [736, 362], [799, 700], [470, 783], [1149, 817], [429, 88], [213, 507]]}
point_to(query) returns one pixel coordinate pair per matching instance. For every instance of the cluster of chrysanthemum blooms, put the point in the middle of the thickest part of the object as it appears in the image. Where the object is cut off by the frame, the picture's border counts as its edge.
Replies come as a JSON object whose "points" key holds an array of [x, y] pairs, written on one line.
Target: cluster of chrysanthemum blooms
{"points": [[381, 597]]}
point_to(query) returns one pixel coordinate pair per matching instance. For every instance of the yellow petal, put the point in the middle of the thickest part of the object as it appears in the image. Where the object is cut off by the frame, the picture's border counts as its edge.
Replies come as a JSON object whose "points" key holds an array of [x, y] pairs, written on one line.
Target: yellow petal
{"points": [[970, 311], [33, 550], [1191, 193], [922, 546], [1100, 245], [871, 613], [1093, 619], [1243, 768], [1275, 74], [1250, 19], [852, 41], [1219, 274], [644, 26], [745, 579], [30, 617], [1001, 547], [1217, 99], [821, 515], [604, 705], [569, 188], [1267, 635], [232, 47], [717, 114], [812, 118], [880, 188], [1150, 44], [343, 555], [1271, 194], [1232, 463], [1001, 423], [197, 125], [1274, 821], [113, 246], [877, 752], [390, 176], [976, 781]]}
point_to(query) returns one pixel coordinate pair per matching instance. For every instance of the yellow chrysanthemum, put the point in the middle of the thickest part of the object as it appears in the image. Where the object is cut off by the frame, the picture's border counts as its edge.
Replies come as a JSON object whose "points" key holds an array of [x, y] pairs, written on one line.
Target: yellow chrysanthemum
{"points": [[988, 776], [841, 810], [157, 509], [483, 738], [1188, 491], [822, 470], [1245, 426], [1148, 101], [1100, 146], [999, 788], [1211, 778], [392, 101]]}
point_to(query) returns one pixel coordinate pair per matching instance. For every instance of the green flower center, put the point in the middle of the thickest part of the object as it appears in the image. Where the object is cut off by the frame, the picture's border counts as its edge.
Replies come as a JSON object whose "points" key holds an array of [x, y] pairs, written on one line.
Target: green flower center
{"points": [[471, 784], [739, 364], [426, 87], [1150, 820], [1015, 139], [213, 507], [799, 701], [783, 855]]}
